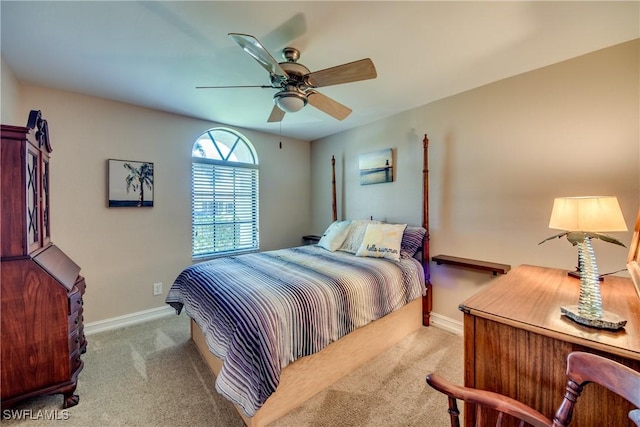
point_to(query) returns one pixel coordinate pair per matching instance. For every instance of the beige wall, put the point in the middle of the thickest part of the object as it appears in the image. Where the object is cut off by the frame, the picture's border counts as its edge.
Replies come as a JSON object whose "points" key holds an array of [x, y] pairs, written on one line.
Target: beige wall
{"points": [[123, 251], [9, 95], [498, 156]]}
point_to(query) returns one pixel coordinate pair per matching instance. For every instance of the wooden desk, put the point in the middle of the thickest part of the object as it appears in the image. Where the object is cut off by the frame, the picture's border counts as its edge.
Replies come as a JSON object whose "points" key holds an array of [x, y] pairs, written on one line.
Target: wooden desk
{"points": [[516, 341]]}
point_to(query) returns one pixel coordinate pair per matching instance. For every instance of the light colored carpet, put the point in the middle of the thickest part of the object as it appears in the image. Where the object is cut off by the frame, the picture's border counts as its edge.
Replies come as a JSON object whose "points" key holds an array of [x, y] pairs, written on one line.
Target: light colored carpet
{"points": [[152, 375]]}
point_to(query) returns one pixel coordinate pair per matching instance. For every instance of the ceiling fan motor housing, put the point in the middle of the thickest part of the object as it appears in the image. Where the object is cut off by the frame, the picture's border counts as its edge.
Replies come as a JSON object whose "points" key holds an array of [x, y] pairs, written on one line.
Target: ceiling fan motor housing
{"points": [[295, 74], [292, 97]]}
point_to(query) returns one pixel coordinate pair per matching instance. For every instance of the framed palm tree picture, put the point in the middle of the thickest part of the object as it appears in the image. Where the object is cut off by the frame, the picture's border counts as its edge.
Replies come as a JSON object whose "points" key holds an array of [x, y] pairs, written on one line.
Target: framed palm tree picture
{"points": [[130, 183]]}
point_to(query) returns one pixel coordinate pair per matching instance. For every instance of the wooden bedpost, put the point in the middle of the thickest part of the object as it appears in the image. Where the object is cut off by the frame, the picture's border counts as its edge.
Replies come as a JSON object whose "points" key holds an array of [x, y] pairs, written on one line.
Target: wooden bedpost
{"points": [[427, 300], [334, 205]]}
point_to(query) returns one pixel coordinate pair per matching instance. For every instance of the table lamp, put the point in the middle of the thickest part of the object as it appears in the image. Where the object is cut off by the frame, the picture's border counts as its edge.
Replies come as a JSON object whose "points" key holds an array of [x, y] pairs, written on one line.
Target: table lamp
{"points": [[582, 219]]}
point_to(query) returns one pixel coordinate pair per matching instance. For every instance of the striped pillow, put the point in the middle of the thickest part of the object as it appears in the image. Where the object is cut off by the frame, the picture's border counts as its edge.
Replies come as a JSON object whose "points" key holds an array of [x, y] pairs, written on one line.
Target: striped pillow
{"points": [[411, 241]]}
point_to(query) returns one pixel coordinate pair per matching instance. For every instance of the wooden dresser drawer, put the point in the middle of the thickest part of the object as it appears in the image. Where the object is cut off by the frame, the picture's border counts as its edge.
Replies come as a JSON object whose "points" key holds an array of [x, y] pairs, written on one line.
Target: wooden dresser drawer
{"points": [[74, 341], [75, 301], [83, 340], [75, 320], [75, 362]]}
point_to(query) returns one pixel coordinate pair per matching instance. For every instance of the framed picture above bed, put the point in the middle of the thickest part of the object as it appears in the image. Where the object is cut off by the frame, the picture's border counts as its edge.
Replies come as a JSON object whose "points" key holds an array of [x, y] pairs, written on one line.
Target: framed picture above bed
{"points": [[376, 167], [130, 183]]}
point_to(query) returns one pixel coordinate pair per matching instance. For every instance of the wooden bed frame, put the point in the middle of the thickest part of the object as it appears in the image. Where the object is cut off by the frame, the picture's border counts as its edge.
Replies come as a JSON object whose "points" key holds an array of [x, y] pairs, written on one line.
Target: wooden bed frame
{"points": [[309, 375]]}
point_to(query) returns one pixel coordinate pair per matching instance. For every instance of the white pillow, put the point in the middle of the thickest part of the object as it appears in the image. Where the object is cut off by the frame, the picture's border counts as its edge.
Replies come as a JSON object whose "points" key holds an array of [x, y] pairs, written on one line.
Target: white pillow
{"points": [[355, 235], [382, 241], [334, 236]]}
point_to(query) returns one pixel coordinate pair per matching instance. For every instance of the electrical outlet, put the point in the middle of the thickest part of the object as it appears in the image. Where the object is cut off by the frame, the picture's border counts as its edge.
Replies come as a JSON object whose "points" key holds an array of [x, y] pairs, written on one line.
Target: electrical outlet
{"points": [[157, 288]]}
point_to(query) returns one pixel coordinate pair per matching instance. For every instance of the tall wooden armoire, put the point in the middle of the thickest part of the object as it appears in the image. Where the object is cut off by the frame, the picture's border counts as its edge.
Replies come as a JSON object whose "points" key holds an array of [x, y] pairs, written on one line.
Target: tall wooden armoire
{"points": [[41, 290]]}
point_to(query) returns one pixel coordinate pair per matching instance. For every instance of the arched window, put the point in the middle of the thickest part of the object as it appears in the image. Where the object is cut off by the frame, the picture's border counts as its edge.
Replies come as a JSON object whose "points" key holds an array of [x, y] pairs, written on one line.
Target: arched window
{"points": [[224, 195]]}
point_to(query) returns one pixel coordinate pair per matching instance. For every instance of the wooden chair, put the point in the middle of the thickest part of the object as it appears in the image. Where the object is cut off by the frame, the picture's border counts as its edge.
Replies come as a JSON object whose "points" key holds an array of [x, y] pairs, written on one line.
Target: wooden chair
{"points": [[582, 368], [488, 405]]}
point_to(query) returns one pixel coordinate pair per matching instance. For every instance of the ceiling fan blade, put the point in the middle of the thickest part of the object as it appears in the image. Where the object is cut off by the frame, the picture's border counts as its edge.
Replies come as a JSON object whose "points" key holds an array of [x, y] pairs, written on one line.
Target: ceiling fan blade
{"points": [[345, 73], [276, 115], [233, 87], [328, 105], [253, 47]]}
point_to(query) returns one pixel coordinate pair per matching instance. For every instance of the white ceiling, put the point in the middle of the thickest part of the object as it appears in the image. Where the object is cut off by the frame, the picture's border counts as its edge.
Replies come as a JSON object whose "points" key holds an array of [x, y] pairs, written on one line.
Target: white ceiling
{"points": [[154, 54]]}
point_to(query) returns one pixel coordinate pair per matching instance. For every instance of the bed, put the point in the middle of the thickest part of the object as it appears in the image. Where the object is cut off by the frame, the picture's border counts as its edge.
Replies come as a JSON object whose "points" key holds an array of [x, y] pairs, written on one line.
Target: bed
{"points": [[288, 323]]}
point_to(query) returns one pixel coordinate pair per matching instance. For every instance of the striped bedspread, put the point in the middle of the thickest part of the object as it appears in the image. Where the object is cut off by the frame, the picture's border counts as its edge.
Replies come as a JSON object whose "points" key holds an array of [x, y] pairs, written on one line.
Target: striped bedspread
{"points": [[261, 311]]}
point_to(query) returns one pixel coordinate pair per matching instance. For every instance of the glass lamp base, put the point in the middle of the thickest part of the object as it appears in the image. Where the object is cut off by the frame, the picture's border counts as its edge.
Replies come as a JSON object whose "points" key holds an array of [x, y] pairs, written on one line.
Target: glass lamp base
{"points": [[608, 320]]}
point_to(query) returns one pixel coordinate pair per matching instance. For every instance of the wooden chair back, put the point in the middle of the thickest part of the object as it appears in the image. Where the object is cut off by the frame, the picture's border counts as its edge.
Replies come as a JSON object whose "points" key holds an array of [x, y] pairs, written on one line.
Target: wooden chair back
{"points": [[488, 405], [583, 368]]}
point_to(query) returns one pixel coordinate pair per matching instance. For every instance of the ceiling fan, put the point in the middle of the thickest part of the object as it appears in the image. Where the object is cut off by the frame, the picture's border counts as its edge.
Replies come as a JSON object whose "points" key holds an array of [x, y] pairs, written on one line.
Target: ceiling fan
{"points": [[296, 84]]}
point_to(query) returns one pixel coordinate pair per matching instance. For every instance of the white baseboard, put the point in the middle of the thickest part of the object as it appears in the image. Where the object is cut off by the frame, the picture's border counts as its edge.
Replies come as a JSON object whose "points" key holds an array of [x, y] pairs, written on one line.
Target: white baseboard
{"points": [[446, 323], [127, 320]]}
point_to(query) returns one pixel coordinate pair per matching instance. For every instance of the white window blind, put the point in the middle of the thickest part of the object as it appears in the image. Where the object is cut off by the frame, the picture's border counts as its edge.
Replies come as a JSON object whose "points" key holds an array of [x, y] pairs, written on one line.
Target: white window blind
{"points": [[224, 208]]}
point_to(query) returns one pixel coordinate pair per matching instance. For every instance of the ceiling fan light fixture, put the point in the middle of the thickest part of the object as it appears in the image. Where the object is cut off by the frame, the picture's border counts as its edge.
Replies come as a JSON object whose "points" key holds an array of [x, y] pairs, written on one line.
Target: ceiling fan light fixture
{"points": [[290, 101]]}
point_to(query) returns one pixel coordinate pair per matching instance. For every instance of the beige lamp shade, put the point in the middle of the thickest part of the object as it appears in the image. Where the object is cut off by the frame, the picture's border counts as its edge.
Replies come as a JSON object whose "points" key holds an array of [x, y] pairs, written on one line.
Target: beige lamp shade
{"points": [[591, 213]]}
